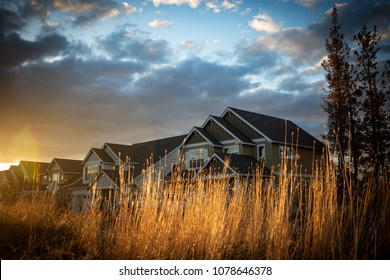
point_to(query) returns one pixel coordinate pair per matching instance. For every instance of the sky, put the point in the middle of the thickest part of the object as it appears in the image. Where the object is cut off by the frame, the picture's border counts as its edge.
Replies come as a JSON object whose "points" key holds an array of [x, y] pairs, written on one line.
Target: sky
{"points": [[75, 74]]}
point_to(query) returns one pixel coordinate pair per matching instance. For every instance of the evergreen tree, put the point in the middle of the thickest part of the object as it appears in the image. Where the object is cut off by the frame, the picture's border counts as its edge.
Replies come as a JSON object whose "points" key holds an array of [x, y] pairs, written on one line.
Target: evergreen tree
{"points": [[341, 101], [374, 85]]}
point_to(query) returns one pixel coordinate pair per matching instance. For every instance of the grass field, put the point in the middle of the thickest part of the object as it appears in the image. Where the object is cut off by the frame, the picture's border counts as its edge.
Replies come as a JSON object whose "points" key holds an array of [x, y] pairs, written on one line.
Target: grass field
{"points": [[285, 220]]}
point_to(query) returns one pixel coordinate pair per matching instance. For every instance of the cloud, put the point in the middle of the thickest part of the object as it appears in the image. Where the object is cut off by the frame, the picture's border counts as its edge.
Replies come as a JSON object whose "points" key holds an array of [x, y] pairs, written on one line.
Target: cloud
{"points": [[69, 100], [217, 6], [159, 23], [12, 18], [14, 51], [194, 45], [308, 3], [305, 46], [130, 44], [83, 12], [128, 87], [129, 9], [213, 6], [263, 22], [191, 3]]}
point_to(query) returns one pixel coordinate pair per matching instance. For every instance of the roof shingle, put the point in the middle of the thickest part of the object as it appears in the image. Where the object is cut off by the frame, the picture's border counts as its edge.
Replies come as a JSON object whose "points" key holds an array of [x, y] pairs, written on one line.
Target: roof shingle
{"points": [[278, 130]]}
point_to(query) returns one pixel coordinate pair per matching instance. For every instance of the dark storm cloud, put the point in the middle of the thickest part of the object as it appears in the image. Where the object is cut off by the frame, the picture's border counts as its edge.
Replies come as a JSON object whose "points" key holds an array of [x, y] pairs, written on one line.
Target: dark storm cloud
{"points": [[257, 55], [364, 12], [294, 84], [135, 45], [10, 20], [190, 80], [71, 101], [14, 50]]}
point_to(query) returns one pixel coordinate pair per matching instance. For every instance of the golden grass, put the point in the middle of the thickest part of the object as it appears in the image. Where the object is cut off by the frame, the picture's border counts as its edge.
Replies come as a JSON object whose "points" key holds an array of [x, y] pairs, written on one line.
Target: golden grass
{"points": [[212, 220]]}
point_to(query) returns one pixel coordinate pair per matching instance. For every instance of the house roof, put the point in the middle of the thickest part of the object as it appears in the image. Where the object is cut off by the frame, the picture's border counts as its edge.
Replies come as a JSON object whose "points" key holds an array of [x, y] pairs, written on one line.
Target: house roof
{"points": [[7, 175], [238, 135], [276, 129], [206, 135], [67, 165], [16, 173], [113, 175], [142, 153], [100, 153], [33, 168]]}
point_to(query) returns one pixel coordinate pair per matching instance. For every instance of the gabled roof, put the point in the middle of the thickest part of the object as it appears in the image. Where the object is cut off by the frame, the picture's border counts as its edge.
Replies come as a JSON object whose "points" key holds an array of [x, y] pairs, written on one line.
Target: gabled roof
{"points": [[67, 165], [16, 173], [33, 168], [234, 132], [275, 129], [123, 151], [237, 164], [205, 134], [6, 174], [101, 154], [141, 153], [159, 148], [113, 175]]}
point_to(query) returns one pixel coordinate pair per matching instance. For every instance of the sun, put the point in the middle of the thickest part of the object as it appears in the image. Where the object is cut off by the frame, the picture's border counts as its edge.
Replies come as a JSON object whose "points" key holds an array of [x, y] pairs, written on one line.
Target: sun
{"points": [[5, 166]]}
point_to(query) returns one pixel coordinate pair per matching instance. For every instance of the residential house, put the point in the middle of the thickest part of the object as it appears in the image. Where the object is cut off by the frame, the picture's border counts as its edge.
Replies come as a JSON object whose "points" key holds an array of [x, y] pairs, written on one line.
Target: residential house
{"points": [[118, 168], [24, 177], [32, 175], [62, 177], [96, 161], [16, 177], [5, 178], [239, 141]]}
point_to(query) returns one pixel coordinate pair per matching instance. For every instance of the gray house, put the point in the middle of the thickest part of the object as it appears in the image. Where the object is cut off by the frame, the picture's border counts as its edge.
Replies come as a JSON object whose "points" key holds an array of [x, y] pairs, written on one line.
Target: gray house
{"points": [[116, 169], [238, 142]]}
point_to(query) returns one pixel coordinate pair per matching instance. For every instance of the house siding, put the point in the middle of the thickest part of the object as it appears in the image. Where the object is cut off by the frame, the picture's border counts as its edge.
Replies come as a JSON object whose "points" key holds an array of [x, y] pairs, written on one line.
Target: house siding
{"points": [[195, 138], [242, 126], [248, 150], [217, 132]]}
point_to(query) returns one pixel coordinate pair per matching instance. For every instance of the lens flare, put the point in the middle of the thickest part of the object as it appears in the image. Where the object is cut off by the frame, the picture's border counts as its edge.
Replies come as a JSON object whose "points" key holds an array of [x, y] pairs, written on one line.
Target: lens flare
{"points": [[23, 145]]}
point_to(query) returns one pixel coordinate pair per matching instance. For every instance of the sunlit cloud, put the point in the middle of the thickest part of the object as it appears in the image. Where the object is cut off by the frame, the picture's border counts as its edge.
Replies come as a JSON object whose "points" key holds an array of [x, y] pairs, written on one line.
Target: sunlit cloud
{"points": [[159, 23], [308, 3], [263, 22], [218, 6], [71, 6], [129, 9]]}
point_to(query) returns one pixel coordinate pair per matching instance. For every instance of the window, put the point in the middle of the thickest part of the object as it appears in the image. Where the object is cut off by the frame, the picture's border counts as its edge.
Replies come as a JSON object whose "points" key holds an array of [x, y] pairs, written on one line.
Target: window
{"points": [[56, 177], [286, 152], [195, 158], [92, 172], [232, 149], [196, 163], [261, 151]]}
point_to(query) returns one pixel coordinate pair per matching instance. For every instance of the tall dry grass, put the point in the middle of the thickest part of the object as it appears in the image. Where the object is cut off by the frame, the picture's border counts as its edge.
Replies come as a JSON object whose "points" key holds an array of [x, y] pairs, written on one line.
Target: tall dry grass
{"points": [[263, 218]]}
